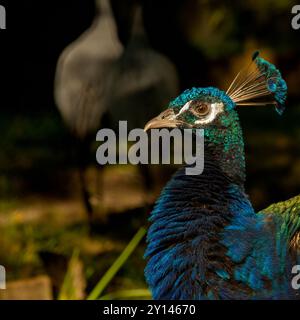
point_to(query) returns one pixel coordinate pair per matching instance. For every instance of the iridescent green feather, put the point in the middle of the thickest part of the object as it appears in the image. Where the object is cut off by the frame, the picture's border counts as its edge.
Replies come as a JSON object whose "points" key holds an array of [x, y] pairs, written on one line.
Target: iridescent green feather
{"points": [[274, 81], [289, 212], [260, 83]]}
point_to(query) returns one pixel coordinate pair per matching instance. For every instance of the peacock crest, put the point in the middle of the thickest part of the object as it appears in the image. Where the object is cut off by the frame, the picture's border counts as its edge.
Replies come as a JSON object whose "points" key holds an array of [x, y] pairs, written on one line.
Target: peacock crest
{"points": [[259, 83]]}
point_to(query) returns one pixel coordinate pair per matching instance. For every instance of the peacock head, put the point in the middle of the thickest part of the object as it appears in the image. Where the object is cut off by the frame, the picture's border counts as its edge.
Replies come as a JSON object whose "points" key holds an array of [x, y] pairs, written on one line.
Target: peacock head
{"points": [[197, 108], [214, 110], [260, 83]]}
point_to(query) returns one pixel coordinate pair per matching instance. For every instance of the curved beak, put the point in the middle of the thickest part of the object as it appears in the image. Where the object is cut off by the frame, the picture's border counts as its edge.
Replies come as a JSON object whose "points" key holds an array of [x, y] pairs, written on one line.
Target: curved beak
{"points": [[167, 119]]}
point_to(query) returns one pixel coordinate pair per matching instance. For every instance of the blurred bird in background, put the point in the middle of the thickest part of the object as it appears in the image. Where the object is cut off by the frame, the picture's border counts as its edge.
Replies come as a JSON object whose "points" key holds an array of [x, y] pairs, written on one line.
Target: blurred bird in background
{"points": [[81, 84], [142, 82], [206, 241], [98, 83]]}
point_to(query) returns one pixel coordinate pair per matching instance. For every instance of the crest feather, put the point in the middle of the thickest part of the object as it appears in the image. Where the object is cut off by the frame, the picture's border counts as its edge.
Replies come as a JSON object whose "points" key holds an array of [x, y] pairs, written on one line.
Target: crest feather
{"points": [[259, 80]]}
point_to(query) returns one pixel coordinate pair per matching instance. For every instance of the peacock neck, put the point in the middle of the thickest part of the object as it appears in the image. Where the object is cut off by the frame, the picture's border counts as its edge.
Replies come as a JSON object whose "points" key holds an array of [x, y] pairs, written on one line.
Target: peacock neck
{"points": [[226, 146], [187, 223]]}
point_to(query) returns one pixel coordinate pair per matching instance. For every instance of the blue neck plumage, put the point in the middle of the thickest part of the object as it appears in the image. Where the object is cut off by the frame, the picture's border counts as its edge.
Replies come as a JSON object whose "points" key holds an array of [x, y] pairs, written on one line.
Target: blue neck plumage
{"points": [[203, 237], [183, 240]]}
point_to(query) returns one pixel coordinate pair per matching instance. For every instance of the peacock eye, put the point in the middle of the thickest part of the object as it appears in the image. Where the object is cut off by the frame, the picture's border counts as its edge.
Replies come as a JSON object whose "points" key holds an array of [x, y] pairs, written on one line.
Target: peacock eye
{"points": [[200, 108]]}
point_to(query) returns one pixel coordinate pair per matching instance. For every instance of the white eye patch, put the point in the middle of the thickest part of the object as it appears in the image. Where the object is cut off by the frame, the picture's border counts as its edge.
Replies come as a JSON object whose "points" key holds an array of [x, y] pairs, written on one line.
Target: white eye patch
{"points": [[184, 108], [216, 108]]}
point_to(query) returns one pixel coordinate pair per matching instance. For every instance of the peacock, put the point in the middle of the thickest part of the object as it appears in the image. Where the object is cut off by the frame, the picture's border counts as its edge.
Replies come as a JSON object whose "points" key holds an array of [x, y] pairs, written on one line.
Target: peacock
{"points": [[205, 240]]}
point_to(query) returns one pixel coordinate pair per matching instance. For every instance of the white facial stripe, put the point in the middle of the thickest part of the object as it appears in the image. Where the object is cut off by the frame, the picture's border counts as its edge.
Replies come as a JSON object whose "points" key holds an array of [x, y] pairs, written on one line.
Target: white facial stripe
{"points": [[184, 108], [216, 108]]}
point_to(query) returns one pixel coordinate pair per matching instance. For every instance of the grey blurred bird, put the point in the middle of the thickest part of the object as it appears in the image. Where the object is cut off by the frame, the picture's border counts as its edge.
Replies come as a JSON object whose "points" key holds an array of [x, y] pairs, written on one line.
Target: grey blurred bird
{"points": [[81, 81], [82, 71]]}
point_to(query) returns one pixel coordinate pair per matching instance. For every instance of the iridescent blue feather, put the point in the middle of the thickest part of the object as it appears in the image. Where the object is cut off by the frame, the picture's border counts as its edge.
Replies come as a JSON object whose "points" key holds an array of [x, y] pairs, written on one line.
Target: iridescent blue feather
{"points": [[274, 81], [261, 83]]}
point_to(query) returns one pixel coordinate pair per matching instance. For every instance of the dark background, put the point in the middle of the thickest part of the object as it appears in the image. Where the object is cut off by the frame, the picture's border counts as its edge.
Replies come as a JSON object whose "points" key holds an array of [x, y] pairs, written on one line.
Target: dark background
{"points": [[37, 32]]}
